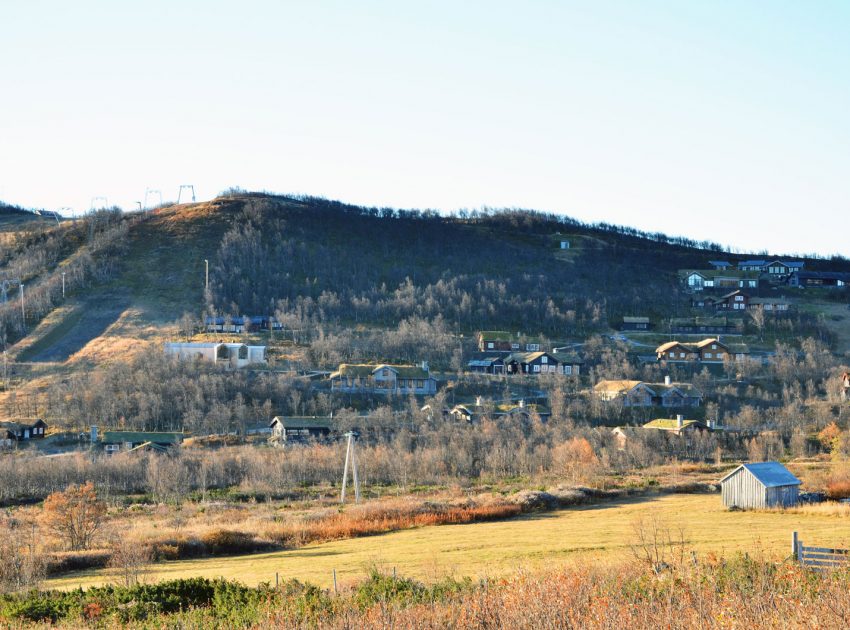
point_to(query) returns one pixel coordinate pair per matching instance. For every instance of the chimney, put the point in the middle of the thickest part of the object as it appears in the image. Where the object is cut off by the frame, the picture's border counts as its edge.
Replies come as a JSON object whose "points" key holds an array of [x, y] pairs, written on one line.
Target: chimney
{"points": [[680, 421], [667, 380], [93, 433], [478, 401], [425, 366], [521, 403], [709, 423]]}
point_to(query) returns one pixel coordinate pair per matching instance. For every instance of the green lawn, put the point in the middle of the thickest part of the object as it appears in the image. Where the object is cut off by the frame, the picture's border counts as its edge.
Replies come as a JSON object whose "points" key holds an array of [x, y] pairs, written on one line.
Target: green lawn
{"points": [[600, 533]]}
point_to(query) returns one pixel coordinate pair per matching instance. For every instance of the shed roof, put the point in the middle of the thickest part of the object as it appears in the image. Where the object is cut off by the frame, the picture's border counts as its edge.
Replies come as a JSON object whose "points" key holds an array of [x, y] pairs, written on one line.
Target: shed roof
{"points": [[635, 320], [769, 474]]}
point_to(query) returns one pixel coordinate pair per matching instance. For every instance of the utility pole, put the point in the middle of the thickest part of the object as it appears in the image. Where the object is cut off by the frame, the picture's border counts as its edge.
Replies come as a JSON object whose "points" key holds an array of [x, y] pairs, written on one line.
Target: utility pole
{"points": [[351, 457], [23, 310], [206, 275], [63, 285]]}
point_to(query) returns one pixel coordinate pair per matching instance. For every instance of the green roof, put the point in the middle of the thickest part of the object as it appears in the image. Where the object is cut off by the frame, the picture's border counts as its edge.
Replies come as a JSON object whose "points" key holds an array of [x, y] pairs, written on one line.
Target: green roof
{"points": [[669, 424], [163, 437], [353, 370], [498, 335]]}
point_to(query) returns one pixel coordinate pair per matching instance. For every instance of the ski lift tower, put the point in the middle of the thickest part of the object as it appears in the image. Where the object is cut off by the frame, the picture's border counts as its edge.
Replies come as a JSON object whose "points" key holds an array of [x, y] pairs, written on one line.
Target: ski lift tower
{"points": [[151, 192], [186, 187]]}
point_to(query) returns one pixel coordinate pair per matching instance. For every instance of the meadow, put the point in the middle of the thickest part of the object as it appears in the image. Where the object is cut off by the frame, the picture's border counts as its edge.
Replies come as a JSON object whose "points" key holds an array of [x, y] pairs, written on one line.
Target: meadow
{"points": [[603, 535]]}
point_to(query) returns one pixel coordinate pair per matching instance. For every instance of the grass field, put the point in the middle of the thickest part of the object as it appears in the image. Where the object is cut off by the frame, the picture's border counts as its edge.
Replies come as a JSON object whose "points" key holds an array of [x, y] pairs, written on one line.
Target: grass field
{"points": [[601, 533]]}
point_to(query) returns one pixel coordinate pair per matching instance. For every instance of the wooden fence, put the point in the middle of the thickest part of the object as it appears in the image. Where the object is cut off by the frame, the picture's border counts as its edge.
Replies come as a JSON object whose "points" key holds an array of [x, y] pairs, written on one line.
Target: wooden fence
{"points": [[820, 558]]}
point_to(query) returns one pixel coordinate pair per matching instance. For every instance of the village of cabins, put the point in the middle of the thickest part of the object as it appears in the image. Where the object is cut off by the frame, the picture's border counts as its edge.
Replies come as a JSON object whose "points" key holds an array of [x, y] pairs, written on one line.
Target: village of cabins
{"points": [[728, 290]]}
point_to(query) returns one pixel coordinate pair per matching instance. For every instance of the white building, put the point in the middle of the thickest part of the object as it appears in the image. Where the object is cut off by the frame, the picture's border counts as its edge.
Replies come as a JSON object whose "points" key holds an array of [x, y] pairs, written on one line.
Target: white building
{"points": [[234, 355]]}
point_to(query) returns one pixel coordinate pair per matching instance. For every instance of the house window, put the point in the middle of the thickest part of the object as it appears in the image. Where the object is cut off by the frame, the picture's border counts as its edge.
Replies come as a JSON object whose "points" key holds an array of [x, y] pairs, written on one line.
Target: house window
{"points": [[544, 359], [536, 368], [682, 354], [739, 298], [568, 369], [420, 384], [720, 355], [490, 344], [707, 355]]}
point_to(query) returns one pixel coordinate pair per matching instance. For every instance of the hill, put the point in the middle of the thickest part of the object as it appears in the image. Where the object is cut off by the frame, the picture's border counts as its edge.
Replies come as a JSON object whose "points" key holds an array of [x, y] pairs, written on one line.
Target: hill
{"points": [[337, 275]]}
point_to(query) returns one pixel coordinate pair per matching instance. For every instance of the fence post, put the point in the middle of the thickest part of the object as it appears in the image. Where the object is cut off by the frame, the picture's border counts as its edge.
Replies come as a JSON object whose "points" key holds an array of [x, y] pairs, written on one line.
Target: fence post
{"points": [[276, 579], [794, 549], [335, 591]]}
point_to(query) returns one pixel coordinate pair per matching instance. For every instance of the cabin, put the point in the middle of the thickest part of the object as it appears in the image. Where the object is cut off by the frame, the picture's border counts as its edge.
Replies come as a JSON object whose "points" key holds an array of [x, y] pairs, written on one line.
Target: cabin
{"points": [[496, 340], [473, 413], [735, 301], [632, 393], [239, 323], [783, 268], [641, 394], [232, 355], [635, 324], [487, 363], [760, 485], [819, 279], [383, 379], [126, 441], [503, 341], [752, 265], [13, 432], [677, 351], [677, 425], [709, 350], [770, 305], [289, 429], [699, 280], [569, 363], [531, 363]]}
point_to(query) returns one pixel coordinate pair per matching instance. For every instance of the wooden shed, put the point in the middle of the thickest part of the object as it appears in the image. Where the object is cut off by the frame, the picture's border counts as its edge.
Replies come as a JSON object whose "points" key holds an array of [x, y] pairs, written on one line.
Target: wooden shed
{"points": [[760, 485]]}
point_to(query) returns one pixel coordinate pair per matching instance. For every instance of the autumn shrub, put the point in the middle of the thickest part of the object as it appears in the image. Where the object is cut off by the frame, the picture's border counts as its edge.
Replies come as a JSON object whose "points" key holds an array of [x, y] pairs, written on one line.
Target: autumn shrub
{"points": [[64, 562], [838, 489], [231, 542]]}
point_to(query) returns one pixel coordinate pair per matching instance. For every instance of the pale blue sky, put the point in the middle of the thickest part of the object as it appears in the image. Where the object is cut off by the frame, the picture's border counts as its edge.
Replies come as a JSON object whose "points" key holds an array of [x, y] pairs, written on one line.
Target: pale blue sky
{"points": [[719, 120]]}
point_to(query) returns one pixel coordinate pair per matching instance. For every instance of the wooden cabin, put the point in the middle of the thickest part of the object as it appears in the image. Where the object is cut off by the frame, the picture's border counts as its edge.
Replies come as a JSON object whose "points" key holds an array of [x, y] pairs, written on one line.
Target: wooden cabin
{"points": [[288, 429], [760, 485]]}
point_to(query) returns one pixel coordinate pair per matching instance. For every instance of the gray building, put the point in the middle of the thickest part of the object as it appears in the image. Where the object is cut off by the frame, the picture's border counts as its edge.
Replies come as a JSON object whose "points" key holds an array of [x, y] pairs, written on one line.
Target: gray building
{"points": [[760, 485]]}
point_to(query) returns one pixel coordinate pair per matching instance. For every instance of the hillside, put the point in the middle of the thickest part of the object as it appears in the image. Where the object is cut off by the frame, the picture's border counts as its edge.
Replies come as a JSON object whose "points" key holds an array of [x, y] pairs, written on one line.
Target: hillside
{"points": [[332, 272]]}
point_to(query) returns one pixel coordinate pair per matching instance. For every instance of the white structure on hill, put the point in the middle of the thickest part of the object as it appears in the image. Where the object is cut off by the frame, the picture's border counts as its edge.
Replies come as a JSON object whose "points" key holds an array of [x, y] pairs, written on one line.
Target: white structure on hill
{"points": [[234, 355]]}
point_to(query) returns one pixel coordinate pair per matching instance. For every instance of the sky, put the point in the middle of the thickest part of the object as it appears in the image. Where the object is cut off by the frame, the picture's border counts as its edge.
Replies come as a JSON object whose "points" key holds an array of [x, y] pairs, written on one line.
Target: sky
{"points": [[717, 120]]}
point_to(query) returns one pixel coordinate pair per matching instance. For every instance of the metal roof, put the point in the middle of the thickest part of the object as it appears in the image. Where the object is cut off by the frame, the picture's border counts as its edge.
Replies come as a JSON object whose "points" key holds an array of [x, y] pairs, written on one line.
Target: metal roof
{"points": [[769, 474]]}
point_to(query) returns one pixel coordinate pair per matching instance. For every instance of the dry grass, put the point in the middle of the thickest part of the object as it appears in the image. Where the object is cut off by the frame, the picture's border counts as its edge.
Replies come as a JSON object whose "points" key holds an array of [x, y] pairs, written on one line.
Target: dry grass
{"points": [[601, 534]]}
